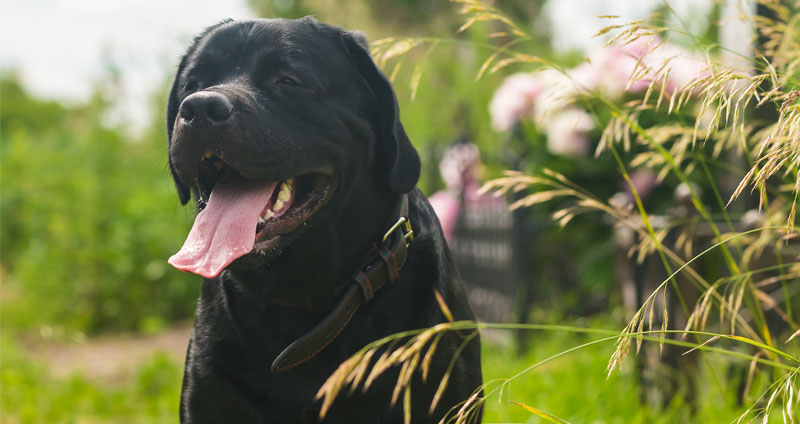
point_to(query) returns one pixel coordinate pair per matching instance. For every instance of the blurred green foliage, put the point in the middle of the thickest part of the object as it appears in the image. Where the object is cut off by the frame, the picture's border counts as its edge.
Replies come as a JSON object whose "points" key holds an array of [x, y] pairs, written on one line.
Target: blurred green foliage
{"points": [[89, 219], [31, 396]]}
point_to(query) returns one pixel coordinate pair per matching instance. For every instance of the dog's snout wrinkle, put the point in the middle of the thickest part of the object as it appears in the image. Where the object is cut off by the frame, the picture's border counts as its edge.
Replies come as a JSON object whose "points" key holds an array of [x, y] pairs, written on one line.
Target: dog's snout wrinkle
{"points": [[206, 108]]}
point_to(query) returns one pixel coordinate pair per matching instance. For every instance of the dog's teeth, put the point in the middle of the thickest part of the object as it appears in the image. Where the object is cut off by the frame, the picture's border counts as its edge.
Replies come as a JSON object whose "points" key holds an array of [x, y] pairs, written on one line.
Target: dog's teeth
{"points": [[261, 220], [278, 205], [267, 215], [285, 193]]}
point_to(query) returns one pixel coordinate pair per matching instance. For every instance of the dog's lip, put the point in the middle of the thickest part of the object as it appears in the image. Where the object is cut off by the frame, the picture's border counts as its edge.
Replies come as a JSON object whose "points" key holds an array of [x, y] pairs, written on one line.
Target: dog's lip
{"points": [[213, 167], [309, 192]]}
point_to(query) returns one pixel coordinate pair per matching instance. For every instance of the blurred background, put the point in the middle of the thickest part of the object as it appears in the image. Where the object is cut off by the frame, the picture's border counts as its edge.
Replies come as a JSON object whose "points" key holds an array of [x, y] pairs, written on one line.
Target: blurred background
{"points": [[95, 323]]}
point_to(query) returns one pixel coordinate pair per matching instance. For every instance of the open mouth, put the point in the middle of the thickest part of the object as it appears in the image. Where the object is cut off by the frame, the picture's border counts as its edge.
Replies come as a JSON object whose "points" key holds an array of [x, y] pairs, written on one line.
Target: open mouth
{"points": [[239, 215], [291, 203]]}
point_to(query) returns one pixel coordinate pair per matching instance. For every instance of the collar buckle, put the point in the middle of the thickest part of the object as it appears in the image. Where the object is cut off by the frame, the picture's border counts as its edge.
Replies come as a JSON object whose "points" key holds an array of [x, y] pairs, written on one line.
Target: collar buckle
{"points": [[404, 225]]}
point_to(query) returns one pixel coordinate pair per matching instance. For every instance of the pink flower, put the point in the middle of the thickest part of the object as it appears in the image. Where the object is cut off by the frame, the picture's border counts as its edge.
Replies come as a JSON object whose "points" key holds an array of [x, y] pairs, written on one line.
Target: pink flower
{"points": [[634, 66], [641, 46], [559, 91], [611, 69], [683, 68], [586, 75], [567, 132], [646, 60], [460, 165], [514, 100], [446, 206]]}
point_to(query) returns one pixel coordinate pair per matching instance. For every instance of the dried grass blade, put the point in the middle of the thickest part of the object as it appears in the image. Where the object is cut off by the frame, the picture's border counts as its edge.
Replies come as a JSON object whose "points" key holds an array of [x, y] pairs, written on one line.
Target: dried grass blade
{"points": [[701, 345], [542, 196], [464, 412], [380, 366], [355, 377], [540, 413], [750, 373], [606, 29], [486, 64], [792, 336], [426, 361], [416, 77], [664, 325], [395, 70], [407, 405], [443, 305], [789, 404], [439, 392], [767, 408], [400, 378]]}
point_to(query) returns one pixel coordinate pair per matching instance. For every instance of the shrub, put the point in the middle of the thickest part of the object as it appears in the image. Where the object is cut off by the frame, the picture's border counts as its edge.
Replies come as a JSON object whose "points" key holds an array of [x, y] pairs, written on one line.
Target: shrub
{"points": [[89, 218]]}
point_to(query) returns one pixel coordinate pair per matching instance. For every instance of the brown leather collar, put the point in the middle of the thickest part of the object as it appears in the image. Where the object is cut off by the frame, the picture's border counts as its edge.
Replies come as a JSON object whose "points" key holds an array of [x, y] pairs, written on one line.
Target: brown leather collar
{"points": [[381, 266]]}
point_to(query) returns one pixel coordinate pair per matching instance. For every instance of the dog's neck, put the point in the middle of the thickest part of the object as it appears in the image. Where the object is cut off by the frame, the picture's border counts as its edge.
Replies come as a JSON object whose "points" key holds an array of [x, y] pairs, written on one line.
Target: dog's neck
{"points": [[323, 295], [379, 268]]}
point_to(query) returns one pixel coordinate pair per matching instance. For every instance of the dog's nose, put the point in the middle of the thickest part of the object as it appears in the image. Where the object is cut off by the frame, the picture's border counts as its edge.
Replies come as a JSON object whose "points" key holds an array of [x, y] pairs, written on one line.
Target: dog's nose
{"points": [[206, 107]]}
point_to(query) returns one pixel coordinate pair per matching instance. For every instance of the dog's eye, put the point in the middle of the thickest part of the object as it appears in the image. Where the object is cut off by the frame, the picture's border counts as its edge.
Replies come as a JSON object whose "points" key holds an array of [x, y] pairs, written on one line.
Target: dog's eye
{"points": [[287, 80], [190, 86]]}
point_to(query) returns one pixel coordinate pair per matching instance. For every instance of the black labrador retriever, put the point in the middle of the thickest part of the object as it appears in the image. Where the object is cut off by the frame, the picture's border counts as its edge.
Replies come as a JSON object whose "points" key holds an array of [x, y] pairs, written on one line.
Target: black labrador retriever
{"points": [[311, 235]]}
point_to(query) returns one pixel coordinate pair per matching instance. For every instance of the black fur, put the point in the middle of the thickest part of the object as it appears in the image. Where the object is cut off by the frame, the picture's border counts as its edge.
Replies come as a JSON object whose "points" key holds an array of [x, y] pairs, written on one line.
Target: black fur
{"points": [[336, 110]]}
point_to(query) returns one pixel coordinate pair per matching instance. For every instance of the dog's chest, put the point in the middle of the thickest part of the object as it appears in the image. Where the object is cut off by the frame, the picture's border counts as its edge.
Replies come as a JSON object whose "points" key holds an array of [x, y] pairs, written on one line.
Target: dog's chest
{"points": [[241, 346]]}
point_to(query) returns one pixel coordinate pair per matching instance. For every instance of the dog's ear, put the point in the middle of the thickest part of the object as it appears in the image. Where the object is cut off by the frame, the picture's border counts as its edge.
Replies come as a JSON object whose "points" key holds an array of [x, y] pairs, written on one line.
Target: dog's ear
{"points": [[399, 156]]}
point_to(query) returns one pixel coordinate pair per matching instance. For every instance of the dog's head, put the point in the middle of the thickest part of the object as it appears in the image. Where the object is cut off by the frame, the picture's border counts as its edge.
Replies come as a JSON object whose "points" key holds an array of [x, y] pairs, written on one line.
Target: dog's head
{"points": [[275, 125]]}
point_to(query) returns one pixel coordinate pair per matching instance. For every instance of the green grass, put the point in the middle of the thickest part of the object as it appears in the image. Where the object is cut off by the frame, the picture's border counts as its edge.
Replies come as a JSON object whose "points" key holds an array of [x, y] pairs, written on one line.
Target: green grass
{"points": [[31, 395], [572, 387], [575, 387]]}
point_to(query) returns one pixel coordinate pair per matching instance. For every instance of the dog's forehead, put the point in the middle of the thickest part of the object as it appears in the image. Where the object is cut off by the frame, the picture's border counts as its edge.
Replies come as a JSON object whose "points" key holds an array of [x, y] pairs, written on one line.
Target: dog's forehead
{"points": [[303, 40]]}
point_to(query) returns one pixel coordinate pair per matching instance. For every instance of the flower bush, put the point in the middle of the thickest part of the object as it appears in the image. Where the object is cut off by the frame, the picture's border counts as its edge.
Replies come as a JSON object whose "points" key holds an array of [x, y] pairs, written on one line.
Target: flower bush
{"points": [[551, 97]]}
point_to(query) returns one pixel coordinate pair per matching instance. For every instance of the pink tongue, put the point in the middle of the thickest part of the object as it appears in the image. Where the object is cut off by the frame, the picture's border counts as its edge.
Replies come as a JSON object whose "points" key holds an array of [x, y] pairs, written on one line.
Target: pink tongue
{"points": [[226, 228]]}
